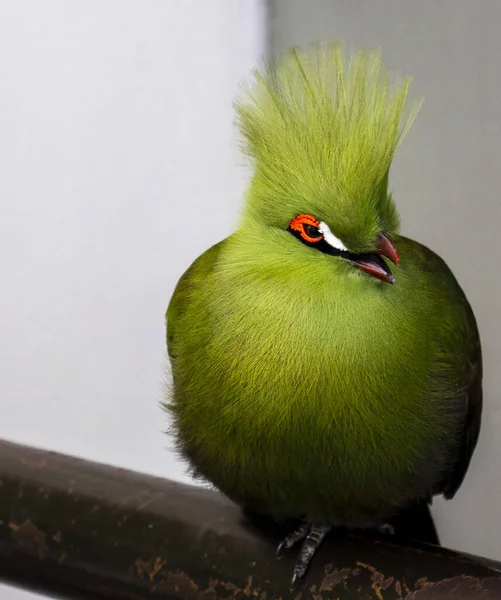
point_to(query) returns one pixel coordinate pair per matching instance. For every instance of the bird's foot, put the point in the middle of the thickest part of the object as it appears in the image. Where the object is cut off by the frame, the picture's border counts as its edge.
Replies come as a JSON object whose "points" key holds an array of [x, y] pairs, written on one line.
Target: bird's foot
{"points": [[387, 529], [313, 536], [293, 538]]}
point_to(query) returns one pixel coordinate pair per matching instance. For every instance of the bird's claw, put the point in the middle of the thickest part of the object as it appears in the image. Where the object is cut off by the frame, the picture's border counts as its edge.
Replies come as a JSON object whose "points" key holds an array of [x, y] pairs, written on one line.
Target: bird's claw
{"points": [[294, 579], [313, 537], [295, 536], [299, 572]]}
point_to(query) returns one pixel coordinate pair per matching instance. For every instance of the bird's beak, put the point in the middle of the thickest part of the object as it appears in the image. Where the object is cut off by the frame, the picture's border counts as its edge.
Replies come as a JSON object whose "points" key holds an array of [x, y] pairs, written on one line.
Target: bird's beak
{"points": [[374, 264], [385, 247]]}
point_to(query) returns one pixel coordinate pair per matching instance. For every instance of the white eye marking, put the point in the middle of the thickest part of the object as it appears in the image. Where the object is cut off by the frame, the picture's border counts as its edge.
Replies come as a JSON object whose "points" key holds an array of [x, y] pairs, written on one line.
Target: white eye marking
{"points": [[330, 238]]}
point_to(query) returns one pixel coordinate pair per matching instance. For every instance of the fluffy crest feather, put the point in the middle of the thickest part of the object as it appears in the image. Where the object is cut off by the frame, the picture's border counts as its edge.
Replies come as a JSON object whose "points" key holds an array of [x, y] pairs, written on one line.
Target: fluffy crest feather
{"points": [[322, 135]]}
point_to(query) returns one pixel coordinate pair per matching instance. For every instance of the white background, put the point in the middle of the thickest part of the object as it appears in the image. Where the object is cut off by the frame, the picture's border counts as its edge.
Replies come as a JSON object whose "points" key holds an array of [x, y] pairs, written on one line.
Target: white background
{"points": [[118, 166]]}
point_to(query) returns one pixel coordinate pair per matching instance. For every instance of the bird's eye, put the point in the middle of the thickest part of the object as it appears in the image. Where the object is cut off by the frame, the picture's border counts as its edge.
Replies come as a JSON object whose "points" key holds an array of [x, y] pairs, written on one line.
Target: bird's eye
{"points": [[311, 231], [307, 228]]}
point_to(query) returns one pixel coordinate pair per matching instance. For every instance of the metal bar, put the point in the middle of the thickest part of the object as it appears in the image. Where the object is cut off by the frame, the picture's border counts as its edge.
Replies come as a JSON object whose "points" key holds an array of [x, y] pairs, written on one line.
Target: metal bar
{"points": [[77, 529]]}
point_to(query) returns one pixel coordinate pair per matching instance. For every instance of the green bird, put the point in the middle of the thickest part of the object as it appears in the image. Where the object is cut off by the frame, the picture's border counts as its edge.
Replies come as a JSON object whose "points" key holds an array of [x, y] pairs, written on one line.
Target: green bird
{"points": [[310, 380]]}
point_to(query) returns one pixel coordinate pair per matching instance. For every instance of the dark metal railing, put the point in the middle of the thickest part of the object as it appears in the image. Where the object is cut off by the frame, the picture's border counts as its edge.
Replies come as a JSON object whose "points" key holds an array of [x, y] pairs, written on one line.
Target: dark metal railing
{"points": [[76, 529]]}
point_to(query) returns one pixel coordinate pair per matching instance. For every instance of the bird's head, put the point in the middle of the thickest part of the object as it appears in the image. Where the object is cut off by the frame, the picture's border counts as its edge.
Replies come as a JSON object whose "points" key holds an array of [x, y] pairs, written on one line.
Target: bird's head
{"points": [[321, 135]]}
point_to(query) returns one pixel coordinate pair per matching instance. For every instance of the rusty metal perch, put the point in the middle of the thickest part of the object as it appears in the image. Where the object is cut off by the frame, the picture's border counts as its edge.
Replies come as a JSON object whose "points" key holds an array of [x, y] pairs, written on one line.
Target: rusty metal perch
{"points": [[76, 529]]}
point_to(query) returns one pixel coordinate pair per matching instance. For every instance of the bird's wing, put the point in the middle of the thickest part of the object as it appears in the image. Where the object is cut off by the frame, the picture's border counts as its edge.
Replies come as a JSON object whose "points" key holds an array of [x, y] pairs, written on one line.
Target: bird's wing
{"points": [[186, 291], [473, 386]]}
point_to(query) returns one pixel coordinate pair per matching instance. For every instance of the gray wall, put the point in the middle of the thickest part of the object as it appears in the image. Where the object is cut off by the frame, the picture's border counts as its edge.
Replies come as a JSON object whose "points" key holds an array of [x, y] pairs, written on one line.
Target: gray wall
{"points": [[446, 179]]}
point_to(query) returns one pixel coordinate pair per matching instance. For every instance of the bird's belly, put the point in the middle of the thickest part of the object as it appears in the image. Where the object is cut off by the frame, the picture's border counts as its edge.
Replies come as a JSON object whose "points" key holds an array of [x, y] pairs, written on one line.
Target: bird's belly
{"points": [[292, 441], [311, 409]]}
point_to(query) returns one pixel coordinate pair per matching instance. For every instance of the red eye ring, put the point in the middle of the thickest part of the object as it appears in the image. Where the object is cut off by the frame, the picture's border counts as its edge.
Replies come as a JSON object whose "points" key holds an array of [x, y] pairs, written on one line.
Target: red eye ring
{"points": [[298, 224]]}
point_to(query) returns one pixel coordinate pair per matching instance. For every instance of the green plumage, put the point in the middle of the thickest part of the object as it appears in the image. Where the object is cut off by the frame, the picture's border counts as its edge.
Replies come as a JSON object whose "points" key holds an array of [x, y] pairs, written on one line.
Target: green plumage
{"points": [[303, 386], [321, 135]]}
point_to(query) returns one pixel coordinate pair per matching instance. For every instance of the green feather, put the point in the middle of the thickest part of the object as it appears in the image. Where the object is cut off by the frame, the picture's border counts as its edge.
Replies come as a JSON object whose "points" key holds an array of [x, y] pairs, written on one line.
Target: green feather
{"points": [[322, 132], [298, 394], [302, 386]]}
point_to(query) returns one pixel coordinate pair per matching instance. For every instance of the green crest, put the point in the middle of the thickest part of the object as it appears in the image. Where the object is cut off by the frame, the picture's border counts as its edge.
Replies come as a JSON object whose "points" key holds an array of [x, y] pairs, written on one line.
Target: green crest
{"points": [[321, 133]]}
